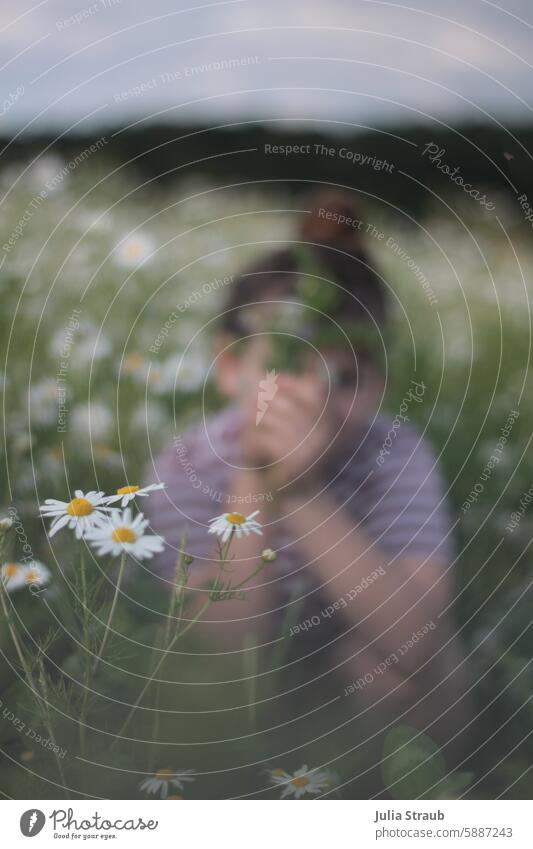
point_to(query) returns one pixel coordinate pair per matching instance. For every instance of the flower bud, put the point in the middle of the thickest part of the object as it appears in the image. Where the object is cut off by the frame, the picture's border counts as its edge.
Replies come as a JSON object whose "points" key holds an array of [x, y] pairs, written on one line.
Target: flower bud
{"points": [[5, 525], [267, 555]]}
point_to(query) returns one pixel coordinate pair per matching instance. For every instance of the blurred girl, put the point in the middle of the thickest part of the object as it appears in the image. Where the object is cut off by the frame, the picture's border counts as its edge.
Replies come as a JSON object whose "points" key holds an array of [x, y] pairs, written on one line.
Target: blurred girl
{"points": [[349, 498]]}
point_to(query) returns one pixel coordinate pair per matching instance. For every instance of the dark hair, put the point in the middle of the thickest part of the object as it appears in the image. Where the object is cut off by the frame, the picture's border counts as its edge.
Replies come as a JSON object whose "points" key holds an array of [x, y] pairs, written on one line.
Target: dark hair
{"points": [[328, 247]]}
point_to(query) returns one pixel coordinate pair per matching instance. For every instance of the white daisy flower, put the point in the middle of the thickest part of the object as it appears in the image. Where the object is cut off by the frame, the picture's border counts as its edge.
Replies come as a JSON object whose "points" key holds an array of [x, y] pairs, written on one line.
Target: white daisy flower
{"points": [[49, 169], [161, 781], [129, 493], [236, 523], [161, 377], [91, 345], [190, 372], [148, 417], [104, 454], [133, 250], [18, 575], [94, 421], [83, 513], [123, 534], [134, 365], [179, 373], [97, 220], [43, 401], [302, 781], [13, 576]]}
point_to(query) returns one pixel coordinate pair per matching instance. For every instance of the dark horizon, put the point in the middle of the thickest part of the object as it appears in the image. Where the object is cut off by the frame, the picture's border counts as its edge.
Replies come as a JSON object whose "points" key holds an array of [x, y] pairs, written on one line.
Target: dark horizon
{"points": [[379, 162]]}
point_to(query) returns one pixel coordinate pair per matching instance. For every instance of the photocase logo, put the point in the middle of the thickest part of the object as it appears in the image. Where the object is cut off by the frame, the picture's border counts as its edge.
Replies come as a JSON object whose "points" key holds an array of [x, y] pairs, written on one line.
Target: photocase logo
{"points": [[267, 390], [32, 822]]}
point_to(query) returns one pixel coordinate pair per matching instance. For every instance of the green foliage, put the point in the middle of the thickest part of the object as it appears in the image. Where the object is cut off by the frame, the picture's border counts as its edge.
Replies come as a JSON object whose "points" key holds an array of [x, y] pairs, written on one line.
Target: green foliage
{"points": [[414, 768], [412, 763]]}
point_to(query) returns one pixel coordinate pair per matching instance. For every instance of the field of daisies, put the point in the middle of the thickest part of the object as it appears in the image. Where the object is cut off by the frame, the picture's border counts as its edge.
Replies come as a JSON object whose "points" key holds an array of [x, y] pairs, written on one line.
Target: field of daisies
{"points": [[110, 289]]}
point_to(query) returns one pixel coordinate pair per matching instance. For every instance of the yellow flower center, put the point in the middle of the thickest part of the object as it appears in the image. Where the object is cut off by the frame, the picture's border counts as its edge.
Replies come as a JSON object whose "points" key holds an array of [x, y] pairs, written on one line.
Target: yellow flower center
{"points": [[133, 250], [174, 797], [127, 490], [10, 569], [80, 507], [165, 774], [278, 773], [31, 576], [300, 781], [102, 451], [124, 535], [235, 518]]}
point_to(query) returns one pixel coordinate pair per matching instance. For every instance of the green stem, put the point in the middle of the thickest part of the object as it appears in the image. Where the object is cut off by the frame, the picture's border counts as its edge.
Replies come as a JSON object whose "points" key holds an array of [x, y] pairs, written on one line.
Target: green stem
{"points": [[250, 671], [223, 556], [42, 705], [81, 721], [161, 660], [14, 637], [85, 614], [111, 612], [249, 578], [49, 726], [223, 550], [180, 579]]}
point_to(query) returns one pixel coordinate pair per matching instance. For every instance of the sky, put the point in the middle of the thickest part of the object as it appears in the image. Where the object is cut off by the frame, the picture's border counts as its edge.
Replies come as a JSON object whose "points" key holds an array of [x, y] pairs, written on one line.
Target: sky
{"points": [[342, 63]]}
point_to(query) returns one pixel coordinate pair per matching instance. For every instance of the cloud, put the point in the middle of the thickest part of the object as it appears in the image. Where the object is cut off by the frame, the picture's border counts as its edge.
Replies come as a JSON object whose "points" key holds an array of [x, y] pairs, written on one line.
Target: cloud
{"points": [[352, 60]]}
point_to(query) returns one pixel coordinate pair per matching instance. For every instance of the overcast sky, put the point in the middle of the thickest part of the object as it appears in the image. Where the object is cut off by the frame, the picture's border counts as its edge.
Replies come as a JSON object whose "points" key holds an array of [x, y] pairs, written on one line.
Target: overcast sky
{"points": [[362, 62]]}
